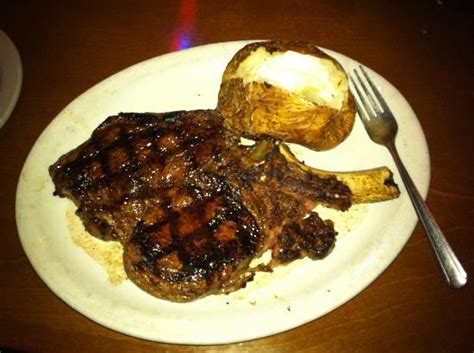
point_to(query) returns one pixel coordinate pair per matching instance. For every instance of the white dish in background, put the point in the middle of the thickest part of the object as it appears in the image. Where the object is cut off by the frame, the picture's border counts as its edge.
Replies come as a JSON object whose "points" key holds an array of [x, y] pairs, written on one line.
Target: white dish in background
{"points": [[11, 76], [272, 303]]}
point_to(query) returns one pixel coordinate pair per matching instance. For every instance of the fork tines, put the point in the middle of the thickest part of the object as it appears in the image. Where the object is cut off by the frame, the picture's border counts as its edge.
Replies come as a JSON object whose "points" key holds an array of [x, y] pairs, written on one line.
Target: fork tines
{"points": [[369, 101]]}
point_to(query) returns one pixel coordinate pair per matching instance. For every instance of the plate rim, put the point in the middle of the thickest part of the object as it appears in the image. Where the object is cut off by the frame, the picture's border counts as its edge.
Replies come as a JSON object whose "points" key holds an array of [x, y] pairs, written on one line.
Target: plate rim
{"points": [[18, 76]]}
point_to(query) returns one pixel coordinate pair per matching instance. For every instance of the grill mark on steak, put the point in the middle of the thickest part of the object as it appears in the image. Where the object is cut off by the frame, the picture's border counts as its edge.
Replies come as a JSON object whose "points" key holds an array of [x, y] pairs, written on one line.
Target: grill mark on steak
{"points": [[215, 230], [100, 192], [192, 206]]}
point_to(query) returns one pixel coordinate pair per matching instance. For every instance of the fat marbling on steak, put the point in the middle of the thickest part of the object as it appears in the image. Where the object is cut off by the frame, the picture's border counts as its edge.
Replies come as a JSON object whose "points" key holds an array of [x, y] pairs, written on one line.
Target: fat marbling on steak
{"points": [[191, 205]]}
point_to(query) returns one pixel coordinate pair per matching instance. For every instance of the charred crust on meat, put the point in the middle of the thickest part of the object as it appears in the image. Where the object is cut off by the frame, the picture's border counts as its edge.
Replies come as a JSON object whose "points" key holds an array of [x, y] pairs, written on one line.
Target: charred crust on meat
{"points": [[191, 205], [222, 233], [389, 181], [312, 237]]}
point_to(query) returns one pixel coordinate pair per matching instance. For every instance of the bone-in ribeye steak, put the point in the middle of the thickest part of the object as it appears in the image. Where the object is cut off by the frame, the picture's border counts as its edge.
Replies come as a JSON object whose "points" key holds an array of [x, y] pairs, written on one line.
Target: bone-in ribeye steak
{"points": [[191, 205]]}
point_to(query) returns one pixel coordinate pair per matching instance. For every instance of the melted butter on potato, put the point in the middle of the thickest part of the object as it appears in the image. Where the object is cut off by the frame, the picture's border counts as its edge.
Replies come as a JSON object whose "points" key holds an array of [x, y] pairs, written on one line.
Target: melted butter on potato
{"points": [[315, 79]]}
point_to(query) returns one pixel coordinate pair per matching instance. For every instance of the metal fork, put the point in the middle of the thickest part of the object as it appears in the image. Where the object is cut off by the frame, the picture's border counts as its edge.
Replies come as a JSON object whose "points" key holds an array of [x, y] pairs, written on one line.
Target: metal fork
{"points": [[382, 129]]}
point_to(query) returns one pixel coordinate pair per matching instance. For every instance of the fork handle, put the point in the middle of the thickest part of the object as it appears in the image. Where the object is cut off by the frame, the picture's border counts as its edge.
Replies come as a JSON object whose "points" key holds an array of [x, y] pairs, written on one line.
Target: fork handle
{"points": [[452, 269]]}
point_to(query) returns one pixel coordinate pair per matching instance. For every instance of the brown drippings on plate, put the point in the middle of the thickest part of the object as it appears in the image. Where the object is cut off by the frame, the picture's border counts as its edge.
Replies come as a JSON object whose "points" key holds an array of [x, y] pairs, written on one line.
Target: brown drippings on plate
{"points": [[344, 222], [108, 254]]}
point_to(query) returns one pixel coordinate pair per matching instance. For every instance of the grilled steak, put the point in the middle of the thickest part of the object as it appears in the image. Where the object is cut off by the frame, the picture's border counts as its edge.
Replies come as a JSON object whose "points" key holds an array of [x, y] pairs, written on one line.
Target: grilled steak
{"points": [[191, 205]]}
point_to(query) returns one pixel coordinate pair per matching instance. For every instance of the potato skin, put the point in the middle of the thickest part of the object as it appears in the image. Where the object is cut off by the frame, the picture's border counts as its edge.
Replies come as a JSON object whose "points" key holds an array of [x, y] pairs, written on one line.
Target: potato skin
{"points": [[258, 109]]}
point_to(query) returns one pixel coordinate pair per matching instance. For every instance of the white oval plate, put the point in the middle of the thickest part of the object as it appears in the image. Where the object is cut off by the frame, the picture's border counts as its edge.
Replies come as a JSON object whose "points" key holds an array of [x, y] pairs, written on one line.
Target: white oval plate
{"points": [[370, 236]]}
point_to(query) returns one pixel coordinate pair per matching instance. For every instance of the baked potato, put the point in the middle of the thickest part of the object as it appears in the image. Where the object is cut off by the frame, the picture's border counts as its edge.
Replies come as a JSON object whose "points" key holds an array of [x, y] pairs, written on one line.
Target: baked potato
{"points": [[291, 91]]}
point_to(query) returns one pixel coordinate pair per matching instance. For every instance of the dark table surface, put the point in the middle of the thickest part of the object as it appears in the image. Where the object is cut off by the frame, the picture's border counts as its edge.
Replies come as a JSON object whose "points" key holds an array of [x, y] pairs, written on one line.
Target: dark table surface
{"points": [[424, 48]]}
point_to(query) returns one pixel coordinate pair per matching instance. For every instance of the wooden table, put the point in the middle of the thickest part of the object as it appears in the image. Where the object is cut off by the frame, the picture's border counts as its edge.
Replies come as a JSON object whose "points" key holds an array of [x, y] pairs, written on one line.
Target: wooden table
{"points": [[424, 48]]}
